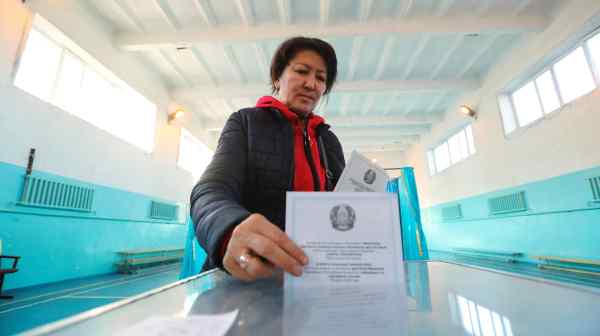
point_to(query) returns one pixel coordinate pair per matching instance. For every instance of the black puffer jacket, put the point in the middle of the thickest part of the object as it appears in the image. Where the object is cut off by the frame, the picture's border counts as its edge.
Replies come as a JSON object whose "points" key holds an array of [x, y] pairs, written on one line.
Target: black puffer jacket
{"points": [[251, 171]]}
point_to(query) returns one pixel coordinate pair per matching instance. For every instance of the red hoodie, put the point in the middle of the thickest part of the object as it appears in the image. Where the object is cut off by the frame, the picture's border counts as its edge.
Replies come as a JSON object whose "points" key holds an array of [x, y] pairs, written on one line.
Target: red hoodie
{"points": [[303, 177]]}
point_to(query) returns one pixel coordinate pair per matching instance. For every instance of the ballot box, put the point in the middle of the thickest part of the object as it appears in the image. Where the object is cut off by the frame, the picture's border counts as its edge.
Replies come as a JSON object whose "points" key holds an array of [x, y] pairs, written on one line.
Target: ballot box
{"points": [[438, 298]]}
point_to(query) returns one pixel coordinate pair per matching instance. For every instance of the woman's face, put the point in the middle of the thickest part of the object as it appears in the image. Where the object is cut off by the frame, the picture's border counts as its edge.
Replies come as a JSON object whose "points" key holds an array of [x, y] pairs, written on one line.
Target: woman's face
{"points": [[303, 82]]}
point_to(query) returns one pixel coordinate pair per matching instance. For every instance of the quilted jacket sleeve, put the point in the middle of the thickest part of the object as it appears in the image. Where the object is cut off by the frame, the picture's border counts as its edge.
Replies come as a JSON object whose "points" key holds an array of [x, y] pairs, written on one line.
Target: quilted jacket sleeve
{"points": [[216, 199]]}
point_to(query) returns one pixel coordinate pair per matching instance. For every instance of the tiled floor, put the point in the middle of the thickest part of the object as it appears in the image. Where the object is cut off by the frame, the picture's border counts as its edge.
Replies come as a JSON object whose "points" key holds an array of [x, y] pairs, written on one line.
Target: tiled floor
{"points": [[39, 305]]}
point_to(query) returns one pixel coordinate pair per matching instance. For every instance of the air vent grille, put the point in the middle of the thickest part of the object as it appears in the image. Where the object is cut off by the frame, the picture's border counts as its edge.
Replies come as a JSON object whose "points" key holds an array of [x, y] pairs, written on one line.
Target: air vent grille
{"points": [[48, 193], [166, 211], [508, 204], [595, 186]]}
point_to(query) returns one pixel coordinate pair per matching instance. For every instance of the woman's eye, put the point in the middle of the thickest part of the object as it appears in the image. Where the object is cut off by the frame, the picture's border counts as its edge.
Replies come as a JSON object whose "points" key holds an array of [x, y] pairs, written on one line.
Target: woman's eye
{"points": [[321, 79], [302, 71]]}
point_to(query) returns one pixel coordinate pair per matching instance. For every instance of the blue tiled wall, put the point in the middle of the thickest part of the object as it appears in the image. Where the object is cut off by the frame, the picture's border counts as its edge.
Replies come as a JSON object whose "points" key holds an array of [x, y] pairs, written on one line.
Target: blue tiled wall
{"points": [[562, 220], [57, 245]]}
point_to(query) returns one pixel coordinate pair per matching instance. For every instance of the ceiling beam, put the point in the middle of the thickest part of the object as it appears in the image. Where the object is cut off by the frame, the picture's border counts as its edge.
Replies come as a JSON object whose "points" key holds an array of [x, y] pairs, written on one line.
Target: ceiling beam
{"points": [[442, 62], [416, 56], [381, 131], [344, 122], [285, 14], [390, 41], [255, 90], [357, 44], [129, 14], [376, 148], [166, 13], [344, 105], [521, 7], [206, 12], [365, 10], [176, 69], [409, 108], [426, 25], [434, 103], [261, 57], [245, 11], [234, 65], [368, 104], [477, 55], [381, 120], [405, 7], [444, 7], [381, 140], [324, 11], [390, 104], [484, 6]]}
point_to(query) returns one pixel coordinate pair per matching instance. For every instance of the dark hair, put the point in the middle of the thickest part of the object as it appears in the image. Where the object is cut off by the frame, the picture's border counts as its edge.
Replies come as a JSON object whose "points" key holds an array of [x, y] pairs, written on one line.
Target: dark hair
{"points": [[288, 50]]}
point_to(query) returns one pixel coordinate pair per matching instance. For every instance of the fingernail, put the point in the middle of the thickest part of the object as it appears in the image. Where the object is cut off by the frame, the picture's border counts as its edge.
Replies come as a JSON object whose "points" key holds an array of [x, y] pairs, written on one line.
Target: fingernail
{"points": [[305, 260], [297, 270]]}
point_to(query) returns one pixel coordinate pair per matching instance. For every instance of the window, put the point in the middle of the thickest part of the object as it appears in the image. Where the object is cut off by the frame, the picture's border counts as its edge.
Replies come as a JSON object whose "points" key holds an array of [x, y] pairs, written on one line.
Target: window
{"points": [[574, 76], [570, 77], [547, 91], [56, 70], [527, 104], [456, 148], [594, 48], [194, 156], [39, 64]]}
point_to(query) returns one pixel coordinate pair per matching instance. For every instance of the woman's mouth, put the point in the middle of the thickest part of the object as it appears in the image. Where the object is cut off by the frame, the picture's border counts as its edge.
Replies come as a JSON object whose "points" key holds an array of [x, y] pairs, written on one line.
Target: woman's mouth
{"points": [[309, 98]]}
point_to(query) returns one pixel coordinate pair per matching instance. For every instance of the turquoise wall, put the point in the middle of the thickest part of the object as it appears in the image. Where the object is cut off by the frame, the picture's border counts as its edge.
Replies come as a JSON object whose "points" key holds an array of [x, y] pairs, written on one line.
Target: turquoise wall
{"points": [[562, 220], [56, 245]]}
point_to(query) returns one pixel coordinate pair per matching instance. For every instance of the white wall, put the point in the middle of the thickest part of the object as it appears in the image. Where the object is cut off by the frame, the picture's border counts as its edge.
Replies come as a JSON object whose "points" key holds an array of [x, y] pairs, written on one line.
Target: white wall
{"points": [[566, 142], [67, 145], [388, 159]]}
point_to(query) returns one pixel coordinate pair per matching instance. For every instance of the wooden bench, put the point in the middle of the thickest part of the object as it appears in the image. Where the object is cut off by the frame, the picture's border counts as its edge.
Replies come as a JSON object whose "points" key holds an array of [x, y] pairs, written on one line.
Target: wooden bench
{"points": [[132, 260], [571, 265], [4, 271], [503, 256]]}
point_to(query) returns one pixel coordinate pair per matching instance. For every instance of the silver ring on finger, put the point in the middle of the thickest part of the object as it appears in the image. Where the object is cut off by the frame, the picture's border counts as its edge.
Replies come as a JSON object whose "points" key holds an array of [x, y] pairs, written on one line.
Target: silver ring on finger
{"points": [[244, 260]]}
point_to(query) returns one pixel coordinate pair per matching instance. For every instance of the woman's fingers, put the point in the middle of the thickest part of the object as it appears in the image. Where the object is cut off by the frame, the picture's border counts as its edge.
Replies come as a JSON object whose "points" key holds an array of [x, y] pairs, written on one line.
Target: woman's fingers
{"points": [[233, 267], [257, 268], [263, 246], [277, 236]]}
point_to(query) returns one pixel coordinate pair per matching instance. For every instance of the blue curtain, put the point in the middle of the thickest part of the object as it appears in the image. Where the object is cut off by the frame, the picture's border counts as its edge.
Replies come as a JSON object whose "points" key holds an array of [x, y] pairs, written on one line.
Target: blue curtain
{"points": [[414, 245], [194, 256]]}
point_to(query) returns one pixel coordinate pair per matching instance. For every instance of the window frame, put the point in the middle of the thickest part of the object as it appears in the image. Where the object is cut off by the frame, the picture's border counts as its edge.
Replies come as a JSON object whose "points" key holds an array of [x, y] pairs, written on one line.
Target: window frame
{"points": [[68, 46], [508, 95], [184, 133], [431, 149]]}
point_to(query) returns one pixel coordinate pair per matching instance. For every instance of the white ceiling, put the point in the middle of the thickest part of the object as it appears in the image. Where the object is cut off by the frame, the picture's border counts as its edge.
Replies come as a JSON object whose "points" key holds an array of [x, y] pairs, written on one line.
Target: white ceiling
{"points": [[402, 63]]}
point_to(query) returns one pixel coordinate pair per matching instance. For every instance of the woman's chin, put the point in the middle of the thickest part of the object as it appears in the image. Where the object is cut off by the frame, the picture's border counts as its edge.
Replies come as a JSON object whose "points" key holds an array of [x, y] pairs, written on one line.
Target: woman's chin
{"points": [[302, 109]]}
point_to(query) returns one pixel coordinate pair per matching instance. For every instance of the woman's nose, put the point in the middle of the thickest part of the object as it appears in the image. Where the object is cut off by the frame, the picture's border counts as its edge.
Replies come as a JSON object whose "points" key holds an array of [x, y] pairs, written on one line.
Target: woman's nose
{"points": [[311, 83]]}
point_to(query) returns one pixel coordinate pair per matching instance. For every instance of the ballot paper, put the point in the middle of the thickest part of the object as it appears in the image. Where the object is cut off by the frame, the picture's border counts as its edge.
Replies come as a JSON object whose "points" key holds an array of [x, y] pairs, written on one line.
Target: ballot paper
{"points": [[349, 238], [346, 310], [361, 174], [354, 281], [196, 325]]}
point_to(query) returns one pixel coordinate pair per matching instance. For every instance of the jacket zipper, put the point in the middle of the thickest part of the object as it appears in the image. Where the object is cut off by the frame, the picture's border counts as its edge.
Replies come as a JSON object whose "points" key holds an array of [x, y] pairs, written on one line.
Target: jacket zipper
{"points": [[309, 157]]}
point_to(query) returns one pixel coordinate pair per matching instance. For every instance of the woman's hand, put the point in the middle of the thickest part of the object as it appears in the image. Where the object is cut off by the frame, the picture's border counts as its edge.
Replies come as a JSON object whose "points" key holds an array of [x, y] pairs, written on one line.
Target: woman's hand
{"points": [[257, 247]]}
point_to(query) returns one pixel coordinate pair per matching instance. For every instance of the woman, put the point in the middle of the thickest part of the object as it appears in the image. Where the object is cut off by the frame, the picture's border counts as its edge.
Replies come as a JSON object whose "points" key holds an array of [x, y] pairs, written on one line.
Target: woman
{"points": [[238, 206]]}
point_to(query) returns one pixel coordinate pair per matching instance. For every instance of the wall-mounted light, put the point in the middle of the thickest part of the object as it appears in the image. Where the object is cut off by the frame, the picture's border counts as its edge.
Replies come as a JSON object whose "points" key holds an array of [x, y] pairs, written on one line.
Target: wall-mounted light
{"points": [[468, 111], [176, 114]]}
